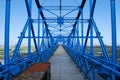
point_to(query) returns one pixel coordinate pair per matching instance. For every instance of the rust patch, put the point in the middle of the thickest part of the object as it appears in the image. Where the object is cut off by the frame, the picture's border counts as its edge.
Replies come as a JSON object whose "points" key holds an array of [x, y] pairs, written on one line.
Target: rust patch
{"points": [[35, 72], [38, 67]]}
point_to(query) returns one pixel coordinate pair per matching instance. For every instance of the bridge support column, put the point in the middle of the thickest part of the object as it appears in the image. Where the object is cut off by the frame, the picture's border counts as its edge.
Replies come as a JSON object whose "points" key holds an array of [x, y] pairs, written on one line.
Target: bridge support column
{"points": [[39, 49], [113, 28], [7, 26], [91, 29], [29, 28]]}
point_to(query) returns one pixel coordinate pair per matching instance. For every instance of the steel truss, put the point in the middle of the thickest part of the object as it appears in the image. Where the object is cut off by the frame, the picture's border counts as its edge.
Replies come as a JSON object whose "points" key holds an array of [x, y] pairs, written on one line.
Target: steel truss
{"points": [[65, 30]]}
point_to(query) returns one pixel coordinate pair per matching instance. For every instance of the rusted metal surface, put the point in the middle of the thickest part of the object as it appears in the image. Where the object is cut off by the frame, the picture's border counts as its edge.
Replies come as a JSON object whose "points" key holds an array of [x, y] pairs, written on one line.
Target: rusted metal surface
{"points": [[38, 71]]}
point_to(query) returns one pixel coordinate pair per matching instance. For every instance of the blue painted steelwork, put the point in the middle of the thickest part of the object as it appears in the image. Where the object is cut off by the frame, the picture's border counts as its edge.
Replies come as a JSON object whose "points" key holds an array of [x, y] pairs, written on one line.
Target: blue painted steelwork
{"points": [[82, 31], [92, 72], [38, 33], [29, 28], [113, 23], [90, 64], [91, 30], [54, 31], [7, 26], [30, 24]]}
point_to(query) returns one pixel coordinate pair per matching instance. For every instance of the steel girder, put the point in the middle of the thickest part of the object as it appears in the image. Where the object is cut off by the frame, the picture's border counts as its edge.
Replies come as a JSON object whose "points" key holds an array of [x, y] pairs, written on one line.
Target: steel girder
{"points": [[89, 67], [16, 63], [93, 67], [74, 42], [7, 26]]}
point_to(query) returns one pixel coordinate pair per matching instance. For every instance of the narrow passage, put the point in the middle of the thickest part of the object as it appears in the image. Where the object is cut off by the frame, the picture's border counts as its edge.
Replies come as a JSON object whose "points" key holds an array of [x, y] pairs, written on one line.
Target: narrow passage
{"points": [[62, 66]]}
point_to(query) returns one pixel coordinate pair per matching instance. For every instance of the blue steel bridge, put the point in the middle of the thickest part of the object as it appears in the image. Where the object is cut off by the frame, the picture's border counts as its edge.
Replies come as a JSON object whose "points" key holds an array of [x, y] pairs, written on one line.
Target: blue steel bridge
{"points": [[62, 25]]}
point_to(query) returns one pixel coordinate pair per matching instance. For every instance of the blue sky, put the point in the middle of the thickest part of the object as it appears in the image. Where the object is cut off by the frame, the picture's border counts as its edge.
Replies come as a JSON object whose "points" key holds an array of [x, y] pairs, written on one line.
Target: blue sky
{"points": [[19, 16]]}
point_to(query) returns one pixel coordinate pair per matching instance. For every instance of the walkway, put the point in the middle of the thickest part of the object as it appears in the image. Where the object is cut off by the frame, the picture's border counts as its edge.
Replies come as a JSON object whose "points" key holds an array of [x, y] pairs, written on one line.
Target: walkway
{"points": [[62, 67]]}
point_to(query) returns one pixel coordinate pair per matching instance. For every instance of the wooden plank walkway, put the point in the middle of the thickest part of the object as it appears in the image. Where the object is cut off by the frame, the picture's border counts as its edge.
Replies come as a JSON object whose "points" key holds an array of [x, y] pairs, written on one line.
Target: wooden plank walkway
{"points": [[62, 67]]}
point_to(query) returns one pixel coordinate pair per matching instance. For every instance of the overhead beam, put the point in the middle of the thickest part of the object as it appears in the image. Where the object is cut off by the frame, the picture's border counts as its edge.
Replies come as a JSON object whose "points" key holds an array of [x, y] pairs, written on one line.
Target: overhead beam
{"points": [[42, 15], [78, 15]]}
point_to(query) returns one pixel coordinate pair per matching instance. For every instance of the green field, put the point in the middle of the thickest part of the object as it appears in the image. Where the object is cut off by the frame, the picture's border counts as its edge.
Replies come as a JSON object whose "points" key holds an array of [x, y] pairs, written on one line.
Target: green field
{"points": [[23, 51], [109, 49]]}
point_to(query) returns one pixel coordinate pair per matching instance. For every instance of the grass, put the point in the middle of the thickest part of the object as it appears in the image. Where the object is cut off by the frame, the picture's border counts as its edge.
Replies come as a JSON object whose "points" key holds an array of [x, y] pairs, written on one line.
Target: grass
{"points": [[23, 50], [109, 50]]}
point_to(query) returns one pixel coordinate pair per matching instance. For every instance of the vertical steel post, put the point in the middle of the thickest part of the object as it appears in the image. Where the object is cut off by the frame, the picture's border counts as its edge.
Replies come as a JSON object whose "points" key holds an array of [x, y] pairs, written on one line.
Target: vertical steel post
{"points": [[72, 40], [113, 25], [43, 44], [29, 28], [38, 31], [78, 34], [7, 26], [60, 16], [92, 73], [82, 32], [91, 29], [113, 28], [60, 7]]}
